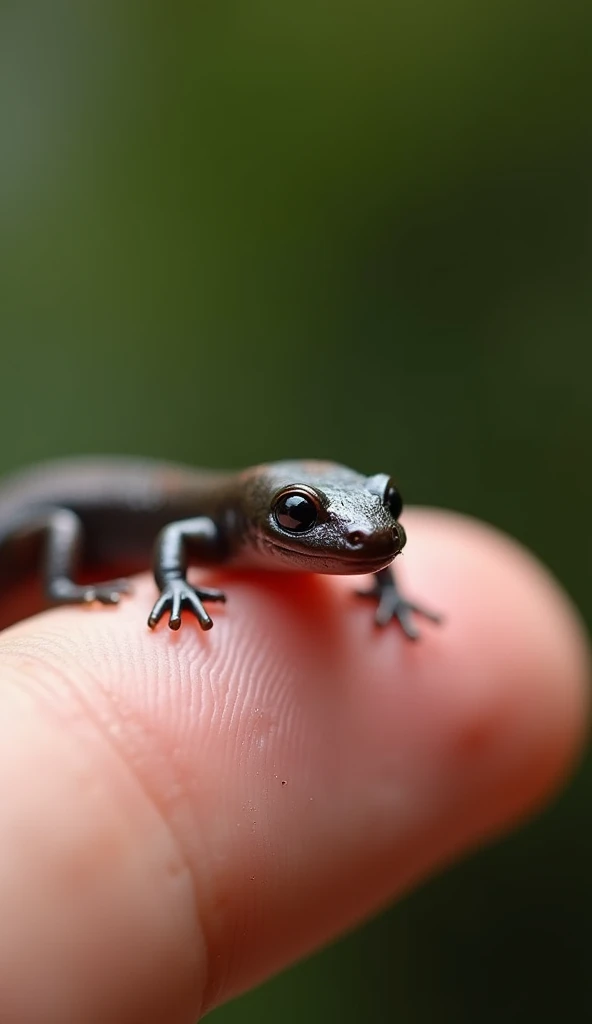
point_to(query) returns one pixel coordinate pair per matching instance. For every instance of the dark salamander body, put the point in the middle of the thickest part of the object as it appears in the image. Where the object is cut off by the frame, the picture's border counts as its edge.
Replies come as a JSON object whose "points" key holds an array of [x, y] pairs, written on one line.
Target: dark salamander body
{"points": [[307, 516]]}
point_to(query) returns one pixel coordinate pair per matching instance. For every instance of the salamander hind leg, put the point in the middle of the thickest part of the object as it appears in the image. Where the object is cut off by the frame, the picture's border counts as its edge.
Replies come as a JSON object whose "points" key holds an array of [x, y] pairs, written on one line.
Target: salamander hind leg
{"points": [[63, 548]]}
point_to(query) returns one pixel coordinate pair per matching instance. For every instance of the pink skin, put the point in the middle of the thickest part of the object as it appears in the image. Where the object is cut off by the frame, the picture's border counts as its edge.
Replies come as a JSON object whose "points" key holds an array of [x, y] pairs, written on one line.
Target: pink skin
{"points": [[184, 814]]}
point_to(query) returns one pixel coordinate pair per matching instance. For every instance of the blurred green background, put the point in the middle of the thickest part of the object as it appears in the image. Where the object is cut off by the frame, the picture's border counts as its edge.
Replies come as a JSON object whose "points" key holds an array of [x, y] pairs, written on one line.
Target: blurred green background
{"points": [[239, 231]]}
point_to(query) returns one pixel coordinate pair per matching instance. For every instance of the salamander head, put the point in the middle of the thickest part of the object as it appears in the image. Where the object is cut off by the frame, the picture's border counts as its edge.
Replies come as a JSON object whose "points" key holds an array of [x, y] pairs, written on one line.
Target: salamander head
{"points": [[322, 517]]}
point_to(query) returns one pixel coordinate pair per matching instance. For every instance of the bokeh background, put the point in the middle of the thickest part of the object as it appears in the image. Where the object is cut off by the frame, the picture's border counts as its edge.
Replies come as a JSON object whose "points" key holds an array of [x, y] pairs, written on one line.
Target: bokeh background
{"points": [[238, 231]]}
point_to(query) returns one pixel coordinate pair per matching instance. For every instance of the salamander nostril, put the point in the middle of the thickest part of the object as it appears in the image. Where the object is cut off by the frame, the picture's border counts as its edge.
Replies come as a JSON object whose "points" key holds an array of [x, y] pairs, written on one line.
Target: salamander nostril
{"points": [[356, 538]]}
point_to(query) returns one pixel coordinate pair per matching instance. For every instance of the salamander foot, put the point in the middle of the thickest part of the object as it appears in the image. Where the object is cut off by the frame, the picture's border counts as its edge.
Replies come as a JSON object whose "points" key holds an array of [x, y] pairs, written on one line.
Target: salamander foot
{"points": [[64, 591], [178, 594], [392, 605]]}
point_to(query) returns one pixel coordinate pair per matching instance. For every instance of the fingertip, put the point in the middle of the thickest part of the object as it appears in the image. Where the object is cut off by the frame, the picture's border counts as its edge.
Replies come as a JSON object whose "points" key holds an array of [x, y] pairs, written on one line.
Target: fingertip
{"points": [[514, 656], [397, 752]]}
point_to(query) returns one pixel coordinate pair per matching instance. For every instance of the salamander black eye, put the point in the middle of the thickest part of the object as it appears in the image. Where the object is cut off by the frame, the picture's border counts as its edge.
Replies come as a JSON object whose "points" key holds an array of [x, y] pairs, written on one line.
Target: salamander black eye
{"points": [[295, 512], [393, 500]]}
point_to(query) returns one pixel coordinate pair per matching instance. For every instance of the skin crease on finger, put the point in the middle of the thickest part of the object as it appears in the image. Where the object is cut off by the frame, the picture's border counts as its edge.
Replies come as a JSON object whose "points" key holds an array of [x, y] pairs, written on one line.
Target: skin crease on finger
{"points": [[210, 807]]}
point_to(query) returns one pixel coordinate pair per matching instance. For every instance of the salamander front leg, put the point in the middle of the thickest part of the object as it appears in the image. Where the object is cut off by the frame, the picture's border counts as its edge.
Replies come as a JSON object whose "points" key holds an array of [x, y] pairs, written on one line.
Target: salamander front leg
{"points": [[392, 604], [171, 559], [62, 553]]}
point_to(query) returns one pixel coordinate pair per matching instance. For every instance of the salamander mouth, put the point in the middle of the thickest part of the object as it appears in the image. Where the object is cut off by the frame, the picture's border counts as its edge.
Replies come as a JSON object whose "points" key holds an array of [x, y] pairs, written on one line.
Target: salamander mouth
{"points": [[346, 563]]}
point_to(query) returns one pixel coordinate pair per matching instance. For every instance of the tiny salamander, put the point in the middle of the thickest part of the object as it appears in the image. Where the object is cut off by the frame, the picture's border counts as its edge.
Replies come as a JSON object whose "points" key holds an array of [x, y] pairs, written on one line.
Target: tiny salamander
{"points": [[310, 516]]}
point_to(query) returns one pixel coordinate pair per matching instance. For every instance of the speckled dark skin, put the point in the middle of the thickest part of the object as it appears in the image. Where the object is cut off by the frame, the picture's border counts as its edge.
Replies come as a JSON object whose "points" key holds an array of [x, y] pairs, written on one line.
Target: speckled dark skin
{"points": [[307, 516]]}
